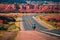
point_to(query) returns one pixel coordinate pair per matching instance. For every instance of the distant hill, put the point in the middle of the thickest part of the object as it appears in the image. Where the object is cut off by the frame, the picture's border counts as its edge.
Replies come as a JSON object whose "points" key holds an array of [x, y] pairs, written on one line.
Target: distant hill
{"points": [[8, 8]]}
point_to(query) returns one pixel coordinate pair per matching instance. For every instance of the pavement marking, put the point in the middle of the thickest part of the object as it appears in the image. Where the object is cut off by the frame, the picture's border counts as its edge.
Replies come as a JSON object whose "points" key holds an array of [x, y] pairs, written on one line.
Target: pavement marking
{"points": [[44, 24], [21, 25], [50, 33], [30, 22]]}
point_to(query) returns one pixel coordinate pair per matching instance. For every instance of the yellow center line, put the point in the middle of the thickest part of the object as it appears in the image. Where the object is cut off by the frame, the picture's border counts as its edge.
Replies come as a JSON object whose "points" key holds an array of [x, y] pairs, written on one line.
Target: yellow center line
{"points": [[29, 21]]}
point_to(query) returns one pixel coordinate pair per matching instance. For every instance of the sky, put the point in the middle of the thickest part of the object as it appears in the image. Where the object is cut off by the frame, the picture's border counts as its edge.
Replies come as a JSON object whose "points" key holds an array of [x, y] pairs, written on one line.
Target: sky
{"points": [[24, 1]]}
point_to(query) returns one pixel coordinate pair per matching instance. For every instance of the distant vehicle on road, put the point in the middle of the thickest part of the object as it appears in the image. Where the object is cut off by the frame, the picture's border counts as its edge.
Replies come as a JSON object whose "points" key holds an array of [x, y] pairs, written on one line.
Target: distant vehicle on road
{"points": [[34, 26]]}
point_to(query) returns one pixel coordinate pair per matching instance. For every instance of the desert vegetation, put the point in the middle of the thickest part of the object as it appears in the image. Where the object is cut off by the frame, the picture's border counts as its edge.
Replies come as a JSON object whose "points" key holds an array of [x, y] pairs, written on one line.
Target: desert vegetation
{"points": [[53, 19]]}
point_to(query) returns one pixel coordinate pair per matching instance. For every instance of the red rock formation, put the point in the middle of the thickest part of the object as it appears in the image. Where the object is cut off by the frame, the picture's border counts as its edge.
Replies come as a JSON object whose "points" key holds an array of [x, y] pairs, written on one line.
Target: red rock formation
{"points": [[41, 8], [1, 21], [58, 25], [52, 17], [10, 8]]}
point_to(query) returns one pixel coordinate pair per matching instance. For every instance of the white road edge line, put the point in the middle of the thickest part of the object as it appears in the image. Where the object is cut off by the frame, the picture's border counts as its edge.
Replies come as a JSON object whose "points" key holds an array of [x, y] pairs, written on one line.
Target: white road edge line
{"points": [[50, 32]]}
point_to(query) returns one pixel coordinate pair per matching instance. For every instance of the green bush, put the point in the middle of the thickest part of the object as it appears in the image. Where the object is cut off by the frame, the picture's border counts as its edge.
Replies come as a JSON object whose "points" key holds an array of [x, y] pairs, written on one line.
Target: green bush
{"points": [[3, 28]]}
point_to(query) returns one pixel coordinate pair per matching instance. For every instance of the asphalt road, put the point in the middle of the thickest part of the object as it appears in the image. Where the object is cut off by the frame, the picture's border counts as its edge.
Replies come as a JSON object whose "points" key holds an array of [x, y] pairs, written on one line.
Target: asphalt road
{"points": [[39, 26], [28, 22]]}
